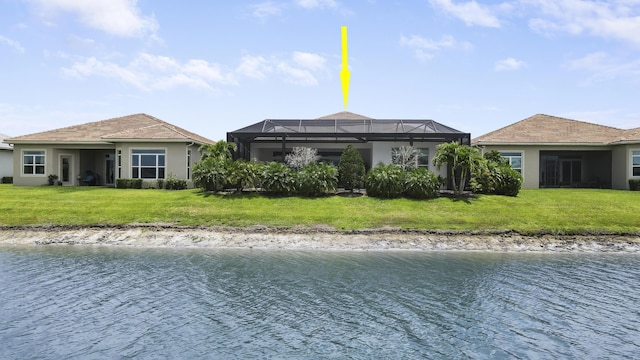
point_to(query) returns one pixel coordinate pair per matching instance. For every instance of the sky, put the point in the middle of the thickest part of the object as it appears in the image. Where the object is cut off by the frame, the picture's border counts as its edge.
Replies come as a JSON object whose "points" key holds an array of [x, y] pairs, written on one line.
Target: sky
{"points": [[216, 66]]}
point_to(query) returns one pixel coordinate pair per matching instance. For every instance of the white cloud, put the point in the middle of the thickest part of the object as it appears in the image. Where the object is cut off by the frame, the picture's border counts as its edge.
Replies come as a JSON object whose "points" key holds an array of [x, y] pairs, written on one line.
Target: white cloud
{"points": [[316, 4], [614, 19], [470, 12], [297, 76], [151, 72], [116, 17], [309, 60], [266, 9], [425, 49], [604, 67], [255, 67], [509, 64], [12, 43], [301, 68]]}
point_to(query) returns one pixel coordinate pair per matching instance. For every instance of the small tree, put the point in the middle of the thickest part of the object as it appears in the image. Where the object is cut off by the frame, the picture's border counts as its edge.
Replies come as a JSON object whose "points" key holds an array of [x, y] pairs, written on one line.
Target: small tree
{"points": [[211, 173], [300, 157], [351, 168], [405, 156], [462, 161]]}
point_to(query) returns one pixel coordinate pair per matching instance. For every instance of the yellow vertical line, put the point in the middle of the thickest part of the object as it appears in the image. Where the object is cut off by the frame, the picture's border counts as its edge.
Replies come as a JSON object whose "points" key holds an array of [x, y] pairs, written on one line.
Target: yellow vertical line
{"points": [[345, 53]]}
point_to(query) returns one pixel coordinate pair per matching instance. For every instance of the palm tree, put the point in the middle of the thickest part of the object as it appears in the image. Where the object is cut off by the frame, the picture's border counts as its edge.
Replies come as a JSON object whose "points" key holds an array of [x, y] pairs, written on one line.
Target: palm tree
{"points": [[462, 160]]}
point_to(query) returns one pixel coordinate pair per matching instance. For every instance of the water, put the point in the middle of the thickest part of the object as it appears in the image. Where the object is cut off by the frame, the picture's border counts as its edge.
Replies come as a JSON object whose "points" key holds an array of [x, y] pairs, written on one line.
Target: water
{"points": [[97, 303]]}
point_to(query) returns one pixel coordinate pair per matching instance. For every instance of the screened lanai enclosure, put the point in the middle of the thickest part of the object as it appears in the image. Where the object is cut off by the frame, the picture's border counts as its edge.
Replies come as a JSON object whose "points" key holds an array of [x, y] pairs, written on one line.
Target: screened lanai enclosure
{"points": [[272, 139]]}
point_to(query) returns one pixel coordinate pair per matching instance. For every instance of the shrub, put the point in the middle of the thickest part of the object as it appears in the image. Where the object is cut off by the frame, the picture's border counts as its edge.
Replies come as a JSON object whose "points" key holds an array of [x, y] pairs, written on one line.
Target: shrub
{"points": [[405, 156], [507, 181], [243, 173], [494, 175], [351, 168], [211, 173], [316, 179], [300, 157], [420, 183], [634, 185], [385, 181], [160, 183], [172, 183], [277, 178], [7, 180], [129, 183]]}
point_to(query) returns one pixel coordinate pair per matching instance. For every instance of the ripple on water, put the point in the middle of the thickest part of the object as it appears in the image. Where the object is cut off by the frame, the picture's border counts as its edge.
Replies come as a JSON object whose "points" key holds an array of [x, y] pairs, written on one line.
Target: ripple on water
{"points": [[66, 302]]}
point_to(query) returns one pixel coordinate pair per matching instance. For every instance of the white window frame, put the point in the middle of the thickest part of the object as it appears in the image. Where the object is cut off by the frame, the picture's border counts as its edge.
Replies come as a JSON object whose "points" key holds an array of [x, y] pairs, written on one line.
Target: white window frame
{"points": [[420, 154], [510, 157], [632, 166], [44, 164], [157, 167], [189, 159], [119, 163]]}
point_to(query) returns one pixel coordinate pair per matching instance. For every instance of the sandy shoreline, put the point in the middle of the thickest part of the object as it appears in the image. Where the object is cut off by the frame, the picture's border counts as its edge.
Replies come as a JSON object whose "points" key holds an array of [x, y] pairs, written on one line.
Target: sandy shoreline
{"points": [[317, 238]]}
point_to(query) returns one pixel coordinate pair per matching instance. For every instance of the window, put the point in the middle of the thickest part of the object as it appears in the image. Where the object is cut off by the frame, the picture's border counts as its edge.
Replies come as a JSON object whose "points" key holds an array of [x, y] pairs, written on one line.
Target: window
{"points": [[147, 164], [188, 164], [119, 162], [635, 162], [423, 158], [33, 162], [407, 155], [515, 160]]}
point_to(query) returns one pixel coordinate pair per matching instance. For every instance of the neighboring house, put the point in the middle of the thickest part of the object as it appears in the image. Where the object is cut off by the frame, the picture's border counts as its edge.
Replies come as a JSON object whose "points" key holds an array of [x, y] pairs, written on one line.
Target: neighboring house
{"points": [[98, 153], [6, 158], [272, 139], [551, 151]]}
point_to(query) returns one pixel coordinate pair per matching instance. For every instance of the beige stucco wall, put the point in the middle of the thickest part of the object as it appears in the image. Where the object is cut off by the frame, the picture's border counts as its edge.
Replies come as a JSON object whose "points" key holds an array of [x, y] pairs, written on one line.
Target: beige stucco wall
{"points": [[620, 167], [621, 170], [175, 160], [84, 159], [530, 162]]}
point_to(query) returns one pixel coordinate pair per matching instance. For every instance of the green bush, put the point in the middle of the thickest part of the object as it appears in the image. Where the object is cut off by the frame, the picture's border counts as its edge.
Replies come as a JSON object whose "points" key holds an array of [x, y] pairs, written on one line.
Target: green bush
{"points": [[243, 173], [634, 185], [172, 183], [277, 178], [129, 183], [507, 181], [351, 169], [316, 179], [160, 183], [7, 180], [385, 181], [420, 183], [494, 175], [211, 173]]}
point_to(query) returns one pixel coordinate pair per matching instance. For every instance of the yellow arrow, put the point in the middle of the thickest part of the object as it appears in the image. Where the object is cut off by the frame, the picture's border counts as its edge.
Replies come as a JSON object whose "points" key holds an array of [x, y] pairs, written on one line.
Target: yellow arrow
{"points": [[345, 74]]}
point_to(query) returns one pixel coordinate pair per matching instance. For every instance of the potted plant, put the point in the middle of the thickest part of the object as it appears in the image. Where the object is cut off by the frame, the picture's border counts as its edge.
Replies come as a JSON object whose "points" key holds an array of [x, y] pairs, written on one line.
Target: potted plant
{"points": [[52, 179]]}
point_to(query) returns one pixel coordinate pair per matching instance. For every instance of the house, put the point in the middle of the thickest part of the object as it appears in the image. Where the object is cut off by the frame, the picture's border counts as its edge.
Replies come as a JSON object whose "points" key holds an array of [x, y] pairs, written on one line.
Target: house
{"points": [[551, 151], [136, 146], [375, 139], [6, 158]]}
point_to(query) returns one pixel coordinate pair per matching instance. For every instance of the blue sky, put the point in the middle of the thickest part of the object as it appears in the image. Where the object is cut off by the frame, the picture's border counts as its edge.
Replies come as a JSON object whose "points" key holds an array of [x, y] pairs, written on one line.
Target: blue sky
{"points": [[216, 66]]}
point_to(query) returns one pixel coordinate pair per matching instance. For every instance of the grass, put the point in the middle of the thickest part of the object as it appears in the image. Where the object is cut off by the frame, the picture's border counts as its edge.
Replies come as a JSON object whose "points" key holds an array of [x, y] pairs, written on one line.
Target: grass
{"points": [[544, 210]]}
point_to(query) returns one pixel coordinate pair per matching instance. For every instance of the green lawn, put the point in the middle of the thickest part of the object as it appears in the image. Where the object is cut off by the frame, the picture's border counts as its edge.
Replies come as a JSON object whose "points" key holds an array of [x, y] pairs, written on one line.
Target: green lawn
{"points": [[548, 210]]}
